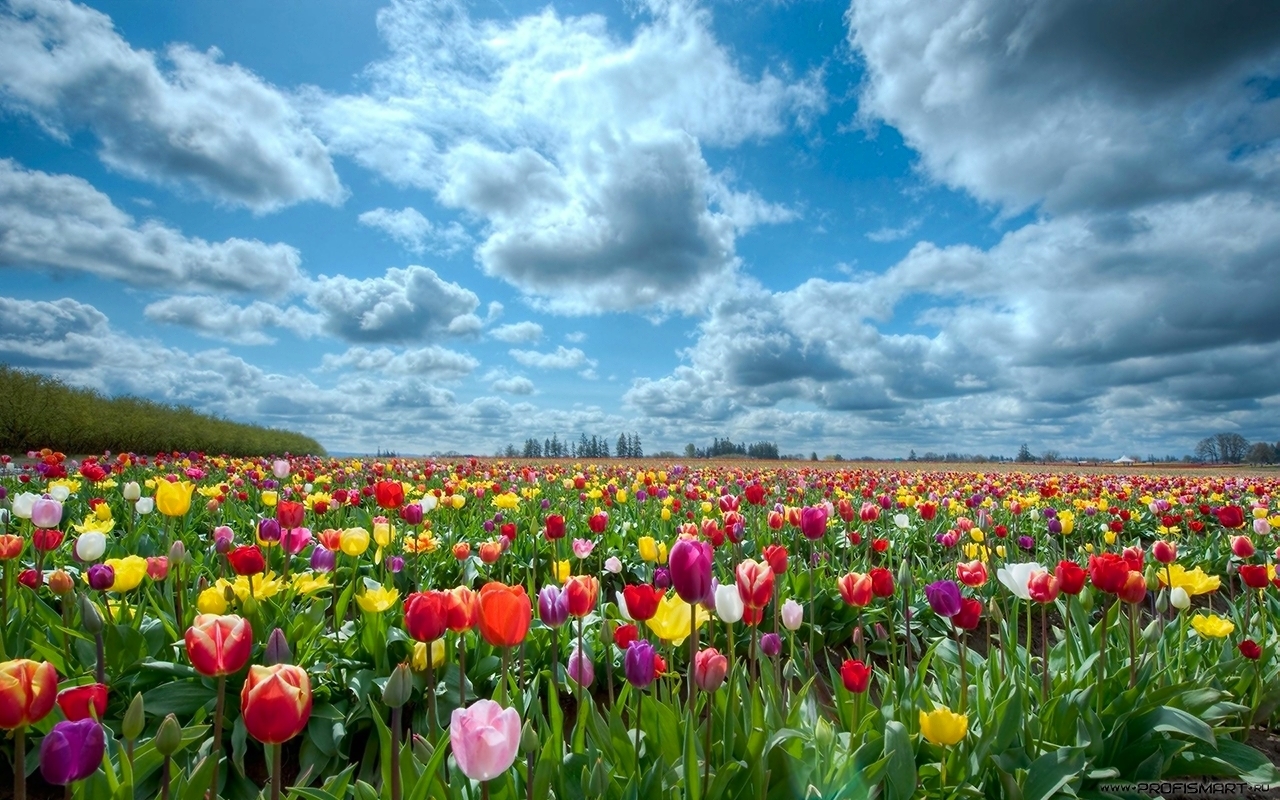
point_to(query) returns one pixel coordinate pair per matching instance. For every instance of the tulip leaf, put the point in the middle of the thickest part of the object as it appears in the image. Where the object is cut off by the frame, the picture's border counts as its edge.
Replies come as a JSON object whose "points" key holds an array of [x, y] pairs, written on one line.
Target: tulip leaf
{"points": [[1052, 771], [900, 771], [1170, 720], [180, 697], [692, 774]]}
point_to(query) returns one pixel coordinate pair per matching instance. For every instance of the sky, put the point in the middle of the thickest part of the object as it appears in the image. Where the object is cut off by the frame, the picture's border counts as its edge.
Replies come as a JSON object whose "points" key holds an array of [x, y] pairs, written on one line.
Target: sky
{"points": [[861, 229]]}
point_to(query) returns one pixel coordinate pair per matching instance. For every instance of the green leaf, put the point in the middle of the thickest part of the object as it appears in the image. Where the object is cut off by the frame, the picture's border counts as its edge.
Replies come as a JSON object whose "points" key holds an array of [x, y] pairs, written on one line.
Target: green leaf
{"points": [[179, 697], [900, 771], [1170, 720], [1052, 771]]}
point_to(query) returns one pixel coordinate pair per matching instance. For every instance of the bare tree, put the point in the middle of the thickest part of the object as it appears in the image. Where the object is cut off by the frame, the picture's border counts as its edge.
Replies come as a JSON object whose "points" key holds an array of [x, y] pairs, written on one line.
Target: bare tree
{"points": [[1207, 450], [1232, 447]]}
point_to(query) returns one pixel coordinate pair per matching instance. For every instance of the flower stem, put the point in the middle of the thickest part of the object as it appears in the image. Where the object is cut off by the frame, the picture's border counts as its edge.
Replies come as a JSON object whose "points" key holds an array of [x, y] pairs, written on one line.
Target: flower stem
{"points": [[20, 763], [216, 751]]}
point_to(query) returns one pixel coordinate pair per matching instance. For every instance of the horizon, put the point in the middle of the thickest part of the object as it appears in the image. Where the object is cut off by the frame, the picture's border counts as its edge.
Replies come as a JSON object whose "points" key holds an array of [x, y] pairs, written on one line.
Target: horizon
{"points": [[841, 228]]}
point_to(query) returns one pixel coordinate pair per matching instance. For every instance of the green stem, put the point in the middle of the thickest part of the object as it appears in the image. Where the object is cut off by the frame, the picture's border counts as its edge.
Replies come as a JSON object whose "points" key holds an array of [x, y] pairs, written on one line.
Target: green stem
{"points": [[20, 763], [216, 751], [276, 778]]}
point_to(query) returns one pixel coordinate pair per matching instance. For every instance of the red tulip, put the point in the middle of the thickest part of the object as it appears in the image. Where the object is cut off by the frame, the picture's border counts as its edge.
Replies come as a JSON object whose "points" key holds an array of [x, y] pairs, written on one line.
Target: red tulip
{"points": [[289, 513], [972, 573], [1242, 546], [776, 555], [247, 560], [1134, 556], [709, 669], [426, 615], [388, 494], [463, 608], [855, 675], [881, 582], [1043, 587], [83, 702], [969, 615], [1134, 589], [582, 591], [1254, 576], [1108, 572], [219, 645], [642, 601], [1164, 552], [1250, 649], [555, 527], [1230, 516], [1070, 577], [754, 494], [275, 703], [27, 692], [598, 522], [505, 614], [624, 635]]}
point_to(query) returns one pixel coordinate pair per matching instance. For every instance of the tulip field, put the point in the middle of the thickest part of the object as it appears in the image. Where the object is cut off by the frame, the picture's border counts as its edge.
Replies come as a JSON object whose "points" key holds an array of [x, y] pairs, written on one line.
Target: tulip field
{"points": [[183, 626]]}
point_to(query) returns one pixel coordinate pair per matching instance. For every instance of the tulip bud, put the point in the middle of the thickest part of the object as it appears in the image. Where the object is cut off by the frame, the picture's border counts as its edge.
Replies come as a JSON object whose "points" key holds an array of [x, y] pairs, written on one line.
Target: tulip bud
{"points": [[994, 612], [132, 491], [422, 749], [770, 645], [1164, 552], [1153, 582], [135, 719], [177, 553], [598, 782], [89, 616], [529, 741], [791, 670], [1179, 599], [277, 651], [1162, 602], [399, 687], [1151, 633], [169, 738], [1086, 599]]}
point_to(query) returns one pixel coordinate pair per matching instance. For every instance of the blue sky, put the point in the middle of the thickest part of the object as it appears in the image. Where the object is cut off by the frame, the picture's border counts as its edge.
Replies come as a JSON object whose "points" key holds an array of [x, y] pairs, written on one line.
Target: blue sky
{"points": [[857, 229]]}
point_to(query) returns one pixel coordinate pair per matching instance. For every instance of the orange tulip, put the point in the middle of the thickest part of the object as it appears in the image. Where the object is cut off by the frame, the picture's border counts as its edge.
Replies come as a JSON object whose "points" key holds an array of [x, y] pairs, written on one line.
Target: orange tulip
{"points": [[10, 546], [219, 645], [276, 702], [582, 591], [28, 690], [855, 589], [505, 613]]}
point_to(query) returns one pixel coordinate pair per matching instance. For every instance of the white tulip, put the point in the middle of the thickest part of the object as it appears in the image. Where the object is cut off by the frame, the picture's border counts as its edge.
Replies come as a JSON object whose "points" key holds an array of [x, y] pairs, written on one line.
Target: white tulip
{"points": [[145, 505], [1017, 577], [23, 503], [90, 546], [729, 606], [60, 493], [132, 491], [1179, 599]]}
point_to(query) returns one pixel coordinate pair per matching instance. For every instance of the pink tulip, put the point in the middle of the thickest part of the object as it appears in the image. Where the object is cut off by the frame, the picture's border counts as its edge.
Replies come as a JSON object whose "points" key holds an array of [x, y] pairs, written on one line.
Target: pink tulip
{"points": [[485, 738], [295, 540]]}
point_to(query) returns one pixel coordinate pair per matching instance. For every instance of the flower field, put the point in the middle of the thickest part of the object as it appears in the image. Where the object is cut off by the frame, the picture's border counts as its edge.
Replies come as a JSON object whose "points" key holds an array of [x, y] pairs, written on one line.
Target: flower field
{"points": [[182, 626]]}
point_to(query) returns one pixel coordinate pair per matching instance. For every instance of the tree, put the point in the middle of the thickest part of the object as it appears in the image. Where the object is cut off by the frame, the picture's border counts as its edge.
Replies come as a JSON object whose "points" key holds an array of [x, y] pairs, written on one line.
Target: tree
{"points": [[1261, 453], [1207, 450], [690, 450], [911, 456], [1232, 447], [1024, 455], [1050, 455]]}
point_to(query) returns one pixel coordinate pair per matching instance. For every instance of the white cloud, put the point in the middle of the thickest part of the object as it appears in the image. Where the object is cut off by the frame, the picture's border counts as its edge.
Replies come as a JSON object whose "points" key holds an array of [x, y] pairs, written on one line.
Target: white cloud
{"points": [[575, 337], [432, 360], [517, 384], [60, 222], [562, 358], [888, 234], [517, 332], [1076, 105], [219, 319], [581, 152], [212, 125], [404, 305], [415, 232]]}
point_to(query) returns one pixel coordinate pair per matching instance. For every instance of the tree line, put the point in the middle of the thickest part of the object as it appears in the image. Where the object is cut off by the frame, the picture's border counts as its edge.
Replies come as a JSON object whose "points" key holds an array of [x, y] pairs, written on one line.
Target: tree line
{"points": [[38, 411], [726, 447], [626, 446], [1232, 448]]}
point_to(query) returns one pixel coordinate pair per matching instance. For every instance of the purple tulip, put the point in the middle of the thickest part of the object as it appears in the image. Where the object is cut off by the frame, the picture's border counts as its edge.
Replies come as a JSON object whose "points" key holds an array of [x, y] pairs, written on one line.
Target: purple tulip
{"points": [[662, 578], [1027, 543], [813, 522], [412, 513], [553, 606], [638, 663], [222, 538], [269, 530], [581, 670], [72, 751], [101, 577], [277, 651], [545, 504], [323, 560], [770, 644], [944, 598], [690, 565], [395, 564], [1055, 525]]}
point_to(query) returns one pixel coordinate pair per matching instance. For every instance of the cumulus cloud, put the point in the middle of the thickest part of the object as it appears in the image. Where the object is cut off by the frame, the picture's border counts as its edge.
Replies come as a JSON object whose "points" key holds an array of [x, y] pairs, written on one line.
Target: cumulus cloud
{"points": [[562, 358], [196, 121], [217, 318], [60, 222], [432, 360], [404, 305], [517, 384], [415, 233], [581, 152], [1077, 105], [517, 332]]}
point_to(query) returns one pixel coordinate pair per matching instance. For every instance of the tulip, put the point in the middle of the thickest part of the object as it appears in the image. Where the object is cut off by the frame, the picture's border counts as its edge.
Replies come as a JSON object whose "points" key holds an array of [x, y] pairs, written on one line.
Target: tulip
{"points": [[323, 560], [813, 522], [943, 727], [60, 583], [855, 589], [277, 650], [855, 675], [776, 556], [1015, 577], [90, 546], [639, 663], [389, 494], [504, 614], [131, 491], [690, 565], [464, 609], [1254, 576], [641, 601], [1242, 546], [553, 606], [754, 583], [583, 547], [729, 605], [173, 498], [1179, 598], [289, 514], [969, 615], [72, 751], [972, 573], [1042, 587], [354, 541], [581, 592], [46, 513], [376, 600], [1071, 577], [613, 565], [944, 598], [45, 540], [145, 505], [624, 635], [276, 702], [1212, 626], [1109, 572], [280, 468], [1250, 649], [770, 644], [792, 615], [1134, 589], [11, 546], [268, 530], [485, 739], [27, 692], [247, 560], [580, 669], [101, 577], [219, 645], [1230, 517], [1164, 552], [157, 568], [710, 668]]}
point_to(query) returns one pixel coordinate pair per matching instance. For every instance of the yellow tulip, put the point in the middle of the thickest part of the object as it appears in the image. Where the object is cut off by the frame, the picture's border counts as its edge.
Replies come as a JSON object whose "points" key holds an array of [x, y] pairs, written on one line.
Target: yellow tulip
{"points": [[671, 621], [129, 570], [354, 541], [1194, 581], [1109, 537], [173, 499], [666, 514], [562, 571], [621, 496], [308, 582], [103, 513], [943, 726], [458, 501], [212, 601], [1068, 521], [977, 535], [375, 601], [648, 548], [93, 524], [266, 585], [1000, 551], [662, 552], [419, 661], [269, 499], [382, 533], [1212, 626], [507, 501]]}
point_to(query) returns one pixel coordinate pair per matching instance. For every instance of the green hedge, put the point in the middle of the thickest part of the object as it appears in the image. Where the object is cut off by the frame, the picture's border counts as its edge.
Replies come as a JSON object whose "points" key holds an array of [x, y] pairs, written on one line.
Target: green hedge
{"points": [[39, 411]]}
